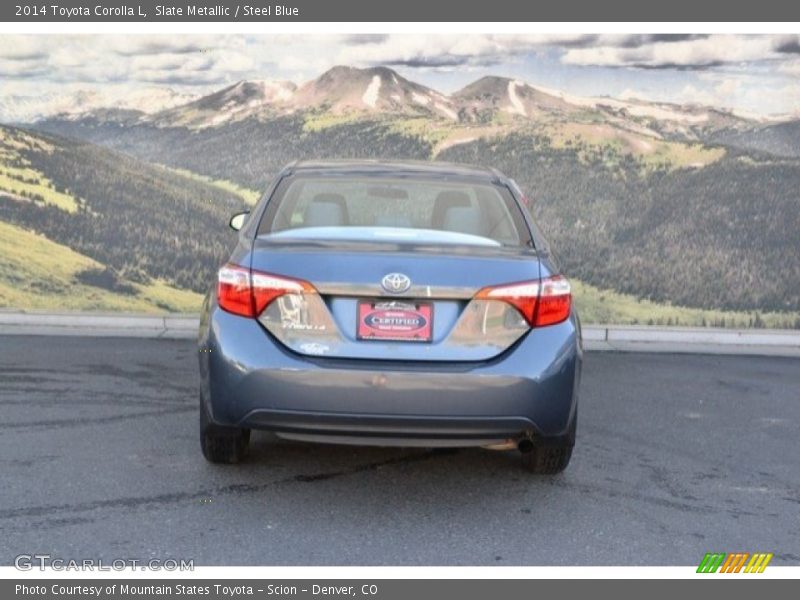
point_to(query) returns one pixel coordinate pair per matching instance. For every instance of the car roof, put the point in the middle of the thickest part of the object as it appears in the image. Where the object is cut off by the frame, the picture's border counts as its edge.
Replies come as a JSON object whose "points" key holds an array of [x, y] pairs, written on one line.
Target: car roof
{"points": [[394, 167]]}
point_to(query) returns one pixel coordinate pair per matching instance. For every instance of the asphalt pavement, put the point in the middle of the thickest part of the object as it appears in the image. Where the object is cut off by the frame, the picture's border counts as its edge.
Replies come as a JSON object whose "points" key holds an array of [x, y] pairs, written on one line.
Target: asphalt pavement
{"points": [[677, 455]]}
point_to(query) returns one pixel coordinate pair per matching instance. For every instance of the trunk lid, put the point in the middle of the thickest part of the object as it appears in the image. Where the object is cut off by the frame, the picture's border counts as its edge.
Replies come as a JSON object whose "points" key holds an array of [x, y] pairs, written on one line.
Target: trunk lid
{"points": [[438, 306]]}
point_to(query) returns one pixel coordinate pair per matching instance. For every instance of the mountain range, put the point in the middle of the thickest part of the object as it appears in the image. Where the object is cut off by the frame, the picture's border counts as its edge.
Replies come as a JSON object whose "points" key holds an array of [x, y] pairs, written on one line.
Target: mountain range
{"points": [[376, 90]]}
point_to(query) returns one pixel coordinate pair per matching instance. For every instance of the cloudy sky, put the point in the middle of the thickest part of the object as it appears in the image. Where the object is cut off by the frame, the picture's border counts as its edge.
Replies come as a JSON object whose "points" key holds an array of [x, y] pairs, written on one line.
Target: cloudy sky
{"points": [[750, 73]]}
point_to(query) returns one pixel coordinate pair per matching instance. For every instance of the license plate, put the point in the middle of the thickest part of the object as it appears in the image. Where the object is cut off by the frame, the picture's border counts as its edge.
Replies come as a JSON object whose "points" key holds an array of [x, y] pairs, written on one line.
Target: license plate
{"points": [[392, 320]]}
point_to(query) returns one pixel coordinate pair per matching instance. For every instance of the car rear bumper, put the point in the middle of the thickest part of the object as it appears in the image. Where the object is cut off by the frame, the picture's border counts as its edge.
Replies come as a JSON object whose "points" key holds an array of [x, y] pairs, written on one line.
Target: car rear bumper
{"points": [[380, 429], [250, 380]]}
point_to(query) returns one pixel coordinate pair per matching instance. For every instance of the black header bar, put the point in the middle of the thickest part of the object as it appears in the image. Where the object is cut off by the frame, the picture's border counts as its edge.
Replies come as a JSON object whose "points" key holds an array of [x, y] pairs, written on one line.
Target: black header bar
{"points": [[255, 11]]}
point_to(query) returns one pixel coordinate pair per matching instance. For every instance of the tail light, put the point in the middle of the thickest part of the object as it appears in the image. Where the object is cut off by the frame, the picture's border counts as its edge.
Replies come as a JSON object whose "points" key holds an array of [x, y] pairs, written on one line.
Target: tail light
{"points": [[542, 302], [247, 293]]}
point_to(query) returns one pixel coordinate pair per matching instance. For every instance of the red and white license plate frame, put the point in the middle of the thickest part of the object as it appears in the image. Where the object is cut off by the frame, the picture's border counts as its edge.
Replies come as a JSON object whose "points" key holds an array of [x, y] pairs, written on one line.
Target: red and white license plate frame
{"points": [[397, 321]]}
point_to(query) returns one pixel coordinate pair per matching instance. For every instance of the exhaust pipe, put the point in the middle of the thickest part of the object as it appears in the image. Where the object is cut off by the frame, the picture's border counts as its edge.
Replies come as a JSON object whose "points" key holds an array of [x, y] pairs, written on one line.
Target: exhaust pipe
{"points": [[506, 445], [524, 445]]}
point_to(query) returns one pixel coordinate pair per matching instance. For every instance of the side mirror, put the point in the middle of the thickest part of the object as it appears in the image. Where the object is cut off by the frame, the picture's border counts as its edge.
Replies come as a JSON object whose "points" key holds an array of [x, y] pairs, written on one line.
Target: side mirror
{"points": [[237, 221]]}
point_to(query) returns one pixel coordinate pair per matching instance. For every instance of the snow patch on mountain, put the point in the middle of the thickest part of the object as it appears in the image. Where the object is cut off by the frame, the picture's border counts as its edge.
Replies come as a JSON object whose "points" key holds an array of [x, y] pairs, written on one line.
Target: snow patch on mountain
{"points": [[516, 104], [449, 112], [280, 91], [420, 99], [370, 97]]}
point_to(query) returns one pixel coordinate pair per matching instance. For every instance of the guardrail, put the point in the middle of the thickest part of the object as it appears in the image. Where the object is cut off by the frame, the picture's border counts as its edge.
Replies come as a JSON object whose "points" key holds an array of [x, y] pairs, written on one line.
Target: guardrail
{"points": [[179, 326], [624, 338], [695, 340]]}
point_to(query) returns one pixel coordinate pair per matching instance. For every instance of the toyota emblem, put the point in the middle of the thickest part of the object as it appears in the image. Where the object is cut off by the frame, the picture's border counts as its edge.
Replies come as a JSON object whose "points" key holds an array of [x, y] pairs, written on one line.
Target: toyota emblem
{"points": [[396, 283]]}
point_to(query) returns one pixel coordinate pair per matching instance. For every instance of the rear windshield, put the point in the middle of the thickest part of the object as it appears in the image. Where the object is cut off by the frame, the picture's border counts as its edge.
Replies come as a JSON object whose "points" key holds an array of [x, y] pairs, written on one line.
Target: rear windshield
{"points": [[394, 209]]}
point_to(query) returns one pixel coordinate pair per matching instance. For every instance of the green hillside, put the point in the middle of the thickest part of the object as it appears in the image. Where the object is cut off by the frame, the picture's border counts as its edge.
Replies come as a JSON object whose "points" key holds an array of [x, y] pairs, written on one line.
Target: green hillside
{"points": [[248, 196], [36, 273], [145, 223], [20, 181], [596, 305]]}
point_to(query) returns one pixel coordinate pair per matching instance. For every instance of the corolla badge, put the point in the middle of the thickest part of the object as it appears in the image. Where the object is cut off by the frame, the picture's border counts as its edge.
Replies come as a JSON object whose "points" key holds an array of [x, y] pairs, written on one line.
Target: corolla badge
{"points": [[396, 283], [314, 348]]}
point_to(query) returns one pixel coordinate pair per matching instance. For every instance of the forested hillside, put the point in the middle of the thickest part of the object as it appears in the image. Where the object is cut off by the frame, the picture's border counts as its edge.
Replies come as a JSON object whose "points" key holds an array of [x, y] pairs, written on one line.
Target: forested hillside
{"points": [[726, 235], [140, 220], [780, 139], [249, 152]]}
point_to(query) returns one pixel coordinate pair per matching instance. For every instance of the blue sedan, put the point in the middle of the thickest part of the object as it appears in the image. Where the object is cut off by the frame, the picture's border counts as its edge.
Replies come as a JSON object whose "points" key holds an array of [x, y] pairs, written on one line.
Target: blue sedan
{"points": [[394, 304]]}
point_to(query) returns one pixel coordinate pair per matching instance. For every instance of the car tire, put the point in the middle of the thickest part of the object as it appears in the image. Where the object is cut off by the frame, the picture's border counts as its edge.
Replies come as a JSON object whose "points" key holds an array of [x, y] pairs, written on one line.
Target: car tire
{"points": [[547, 460], [221, 445], [550, 459]]}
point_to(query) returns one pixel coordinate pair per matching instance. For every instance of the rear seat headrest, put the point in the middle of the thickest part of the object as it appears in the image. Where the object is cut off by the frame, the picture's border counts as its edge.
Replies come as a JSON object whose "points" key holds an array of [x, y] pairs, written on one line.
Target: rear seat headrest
{"points": [[445, 200], [326, 210], [463, 219]]}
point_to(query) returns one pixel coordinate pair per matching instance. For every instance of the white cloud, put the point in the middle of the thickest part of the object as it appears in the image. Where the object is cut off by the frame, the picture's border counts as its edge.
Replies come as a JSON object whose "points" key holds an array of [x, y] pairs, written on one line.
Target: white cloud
{"points": [[691, 94], [22, 68], [693, 53], [771, 97], [728, 87], [791, 67], [450, 50], [22, 47]]}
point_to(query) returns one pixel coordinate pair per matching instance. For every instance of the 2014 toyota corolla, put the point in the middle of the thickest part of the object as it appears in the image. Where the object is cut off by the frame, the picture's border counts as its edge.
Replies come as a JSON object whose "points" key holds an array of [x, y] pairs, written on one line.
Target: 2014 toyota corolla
{"points": [[391, 303]]}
